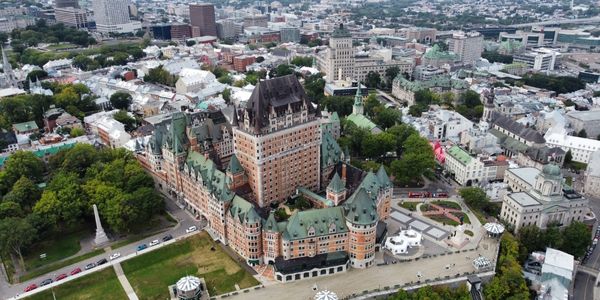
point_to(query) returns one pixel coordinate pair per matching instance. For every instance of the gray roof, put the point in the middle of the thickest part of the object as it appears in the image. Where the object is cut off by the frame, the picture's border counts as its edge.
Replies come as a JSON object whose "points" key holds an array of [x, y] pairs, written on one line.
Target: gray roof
{"points": [[518, 129], [523, 199]]}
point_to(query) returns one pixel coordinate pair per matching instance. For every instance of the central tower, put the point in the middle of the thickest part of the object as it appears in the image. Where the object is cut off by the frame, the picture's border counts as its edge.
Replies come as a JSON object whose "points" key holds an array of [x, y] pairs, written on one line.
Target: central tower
{"points": [[277, 140]]}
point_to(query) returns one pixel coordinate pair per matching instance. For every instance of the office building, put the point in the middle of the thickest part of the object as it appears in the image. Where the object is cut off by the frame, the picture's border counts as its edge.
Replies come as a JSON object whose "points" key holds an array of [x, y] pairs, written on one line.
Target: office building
{"points": [[113, 16], [340, 57], [540, 59], [468, 46], [202, 19], [289, 34], [71, 16], [66, 3], [256, 20], [226, 29]]}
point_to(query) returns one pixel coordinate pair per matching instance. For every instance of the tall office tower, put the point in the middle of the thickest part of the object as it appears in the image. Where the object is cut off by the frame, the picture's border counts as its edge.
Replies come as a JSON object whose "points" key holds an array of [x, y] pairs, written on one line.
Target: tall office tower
{"points": [[113, 16], [70, 16], [66, 3], [468, 46], [277, 140], [202, 19], [340, 58]]}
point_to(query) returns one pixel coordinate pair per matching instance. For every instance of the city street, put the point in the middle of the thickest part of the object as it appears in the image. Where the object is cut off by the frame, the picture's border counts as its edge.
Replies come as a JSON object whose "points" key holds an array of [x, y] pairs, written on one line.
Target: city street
{"points": [[184, 218], [584, 283]]}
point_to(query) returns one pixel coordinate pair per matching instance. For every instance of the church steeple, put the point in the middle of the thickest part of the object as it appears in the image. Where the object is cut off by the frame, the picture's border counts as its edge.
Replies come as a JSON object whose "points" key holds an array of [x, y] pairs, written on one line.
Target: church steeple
{"points": [[358, 107], [11, 81]]}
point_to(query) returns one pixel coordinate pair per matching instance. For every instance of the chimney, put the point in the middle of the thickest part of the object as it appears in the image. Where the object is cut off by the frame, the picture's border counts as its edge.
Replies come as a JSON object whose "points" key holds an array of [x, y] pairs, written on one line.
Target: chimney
{"points": [[344, 172]]}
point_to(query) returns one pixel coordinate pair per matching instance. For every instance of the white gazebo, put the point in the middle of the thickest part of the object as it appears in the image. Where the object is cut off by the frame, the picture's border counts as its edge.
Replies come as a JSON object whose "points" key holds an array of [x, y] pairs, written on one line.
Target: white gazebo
{"points": [[326, 295], [189, 288], [494, 229]]}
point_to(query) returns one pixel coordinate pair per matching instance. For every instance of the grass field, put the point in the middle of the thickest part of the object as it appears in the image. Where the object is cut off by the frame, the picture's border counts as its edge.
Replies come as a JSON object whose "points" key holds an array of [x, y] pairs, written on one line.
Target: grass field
{"points": [[62, 46], [56, 248], [98, 285], [412, 206], [150, 274], [58, 265]]}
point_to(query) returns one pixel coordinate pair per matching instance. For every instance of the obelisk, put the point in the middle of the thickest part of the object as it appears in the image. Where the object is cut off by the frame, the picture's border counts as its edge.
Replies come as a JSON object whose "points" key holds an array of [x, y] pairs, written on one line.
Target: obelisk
{"points": [[101, 237]]}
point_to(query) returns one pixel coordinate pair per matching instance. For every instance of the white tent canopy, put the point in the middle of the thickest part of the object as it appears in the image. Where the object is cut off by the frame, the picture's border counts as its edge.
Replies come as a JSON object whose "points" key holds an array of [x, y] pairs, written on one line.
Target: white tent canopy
{"points": [[494, 228], [326, 295]]}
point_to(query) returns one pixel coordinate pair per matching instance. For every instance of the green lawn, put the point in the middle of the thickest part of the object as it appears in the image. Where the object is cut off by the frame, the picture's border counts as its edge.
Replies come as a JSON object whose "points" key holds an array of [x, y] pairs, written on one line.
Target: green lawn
{"points": [[98, 285], [412, 206], [56, 248], [62, 46], [469, 232], [150, 274], [55, 266], [446, 204]]}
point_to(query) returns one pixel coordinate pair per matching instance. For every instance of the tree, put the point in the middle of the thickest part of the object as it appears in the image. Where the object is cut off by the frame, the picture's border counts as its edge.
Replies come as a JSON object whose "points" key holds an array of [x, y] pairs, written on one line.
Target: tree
{"points": [[341, 104], [372, 106], [281, 70], [582, 133], [15, 235], [417, 157], [302, 61], [531, 238], [226, 95], [388, 117], [474, 197], [509, 282], [314, 86], [9, 209], [36, 75], [64, 201], [123, 117], [121, 100], [190, 43], [568, 157], [79, 158], [76, 131], [373, 79], [260, 59], [391, 73], [470, 98], [21, 164], [575, 239], [24, 192]]}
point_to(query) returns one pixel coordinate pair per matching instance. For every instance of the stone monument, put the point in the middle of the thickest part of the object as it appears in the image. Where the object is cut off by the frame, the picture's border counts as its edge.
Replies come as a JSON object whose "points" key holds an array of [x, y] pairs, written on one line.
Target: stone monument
{"points": [[101, 237]]}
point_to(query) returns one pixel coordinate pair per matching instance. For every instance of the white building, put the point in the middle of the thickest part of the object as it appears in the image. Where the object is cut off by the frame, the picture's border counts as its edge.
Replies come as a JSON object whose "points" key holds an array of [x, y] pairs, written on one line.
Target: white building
{"points": [[446, 125], [558, 271], [521, 179], [113, 16], [585, 120], [469, 170], [541, 59], [581, 148], [58, 64], [193, 80], [544, 204], [591, 183], [405, 240]]}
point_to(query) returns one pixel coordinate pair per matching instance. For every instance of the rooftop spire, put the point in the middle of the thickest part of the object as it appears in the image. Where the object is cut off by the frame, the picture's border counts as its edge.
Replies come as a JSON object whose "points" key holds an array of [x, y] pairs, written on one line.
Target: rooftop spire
{"points": [[7, 69], [358, 108]]}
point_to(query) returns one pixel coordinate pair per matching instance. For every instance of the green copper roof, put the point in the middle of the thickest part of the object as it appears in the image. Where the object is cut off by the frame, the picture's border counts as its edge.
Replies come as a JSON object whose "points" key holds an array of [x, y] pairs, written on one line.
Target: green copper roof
{"points": [[436, 53], [320, 222], [244, 211], [336, 184], [334, 117], [25, 126], [439, 81], [383, 177], [326, 202], [271, 224], [234, 166], [214, 180], [330, 150], [358, 99], [361, 121], [459, 154], [360, 208], [341, 32]]}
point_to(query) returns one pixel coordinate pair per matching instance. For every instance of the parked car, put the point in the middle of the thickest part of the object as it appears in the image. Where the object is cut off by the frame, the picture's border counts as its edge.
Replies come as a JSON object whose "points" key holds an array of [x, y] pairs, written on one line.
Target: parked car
{"points": [[46, 282], [30, 287], [167, 237], [114, 256], [60, 277], [191, 229], [101, 262], [75, 271], [142, 247], [154, 243], [89, 266]]}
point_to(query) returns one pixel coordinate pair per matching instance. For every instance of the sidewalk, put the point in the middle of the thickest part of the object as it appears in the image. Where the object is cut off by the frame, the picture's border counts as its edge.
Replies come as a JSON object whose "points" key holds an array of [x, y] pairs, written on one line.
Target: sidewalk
{"points": [[124, 282]]}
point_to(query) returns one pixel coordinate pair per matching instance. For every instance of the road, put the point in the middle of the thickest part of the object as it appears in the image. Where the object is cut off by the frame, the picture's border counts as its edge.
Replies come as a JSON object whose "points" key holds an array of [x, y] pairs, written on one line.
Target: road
{"points": [[584, 283], [185, 221]]}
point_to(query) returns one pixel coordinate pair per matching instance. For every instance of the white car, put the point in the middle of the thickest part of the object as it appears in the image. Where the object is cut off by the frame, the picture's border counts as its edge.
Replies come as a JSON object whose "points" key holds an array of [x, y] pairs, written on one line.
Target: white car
{"points": [[114, 256], [154, 243], [191, 229]]}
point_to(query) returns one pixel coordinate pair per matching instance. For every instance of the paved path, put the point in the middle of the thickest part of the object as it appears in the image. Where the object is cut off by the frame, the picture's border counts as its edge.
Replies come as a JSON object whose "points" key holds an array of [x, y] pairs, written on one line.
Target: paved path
{"points": [[124, 282], [356, 281]]}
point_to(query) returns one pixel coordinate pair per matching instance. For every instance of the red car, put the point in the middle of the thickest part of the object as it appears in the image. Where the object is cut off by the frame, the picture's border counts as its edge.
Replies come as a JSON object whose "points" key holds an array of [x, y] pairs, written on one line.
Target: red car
{"points": [[75, 271], [60, 277], [31, 287]]}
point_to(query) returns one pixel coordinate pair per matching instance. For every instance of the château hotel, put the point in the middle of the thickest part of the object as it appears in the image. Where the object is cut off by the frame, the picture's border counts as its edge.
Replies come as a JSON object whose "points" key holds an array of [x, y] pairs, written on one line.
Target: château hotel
{"points": [[234, 167]]}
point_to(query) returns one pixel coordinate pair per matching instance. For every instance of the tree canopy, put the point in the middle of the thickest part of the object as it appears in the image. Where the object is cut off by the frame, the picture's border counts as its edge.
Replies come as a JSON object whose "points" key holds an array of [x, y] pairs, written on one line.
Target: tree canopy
{"points": [[121, 100]]}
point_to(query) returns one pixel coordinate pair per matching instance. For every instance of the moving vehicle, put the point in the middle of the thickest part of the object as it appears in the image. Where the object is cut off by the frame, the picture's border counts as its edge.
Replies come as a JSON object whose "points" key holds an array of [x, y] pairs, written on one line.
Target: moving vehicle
{"points": [[75, 271], [191, 229], [46, 282], [114, 256], [60, 277], [142, 247], [31, 287]]}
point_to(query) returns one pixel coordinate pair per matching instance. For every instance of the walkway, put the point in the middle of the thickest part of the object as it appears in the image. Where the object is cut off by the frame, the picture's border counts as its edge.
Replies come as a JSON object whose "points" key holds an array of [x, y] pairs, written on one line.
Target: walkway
{"points": [[124, 282]]}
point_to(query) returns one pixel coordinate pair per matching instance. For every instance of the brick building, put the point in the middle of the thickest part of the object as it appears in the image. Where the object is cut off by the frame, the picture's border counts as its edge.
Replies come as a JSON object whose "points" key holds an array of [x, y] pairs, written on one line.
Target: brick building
{"points": [[276, 142], [241, 62]]}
